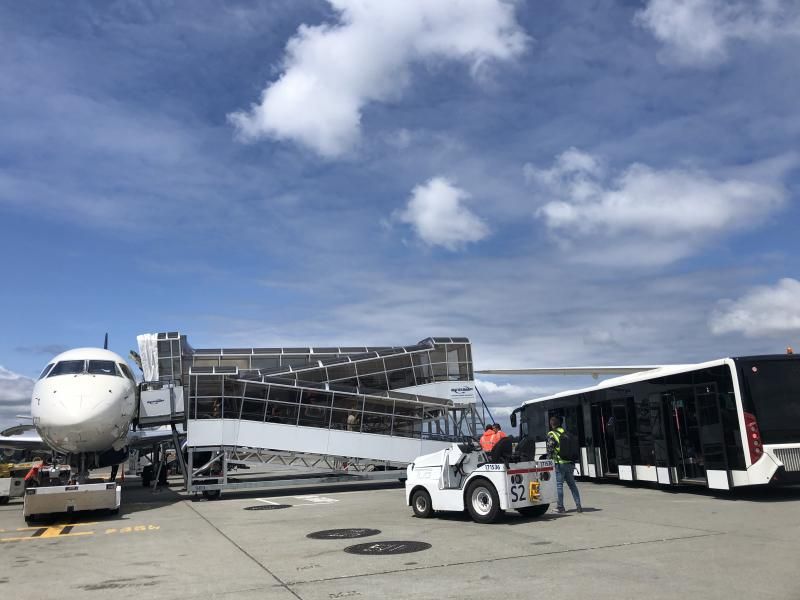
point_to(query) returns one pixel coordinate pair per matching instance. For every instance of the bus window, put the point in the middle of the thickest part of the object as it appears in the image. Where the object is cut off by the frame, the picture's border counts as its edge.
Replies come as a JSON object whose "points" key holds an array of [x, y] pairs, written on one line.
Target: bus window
{"points": [[773, 391]]}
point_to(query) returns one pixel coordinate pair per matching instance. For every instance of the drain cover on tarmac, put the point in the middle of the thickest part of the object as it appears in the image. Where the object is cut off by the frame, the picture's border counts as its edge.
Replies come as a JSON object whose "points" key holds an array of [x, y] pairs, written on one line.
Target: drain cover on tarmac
{"points": [[383, 548], [268, 507], [342, 534]]}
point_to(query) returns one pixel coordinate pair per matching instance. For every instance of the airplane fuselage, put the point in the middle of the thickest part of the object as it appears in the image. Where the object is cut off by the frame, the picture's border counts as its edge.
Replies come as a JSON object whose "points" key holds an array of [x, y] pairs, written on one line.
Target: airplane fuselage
{"points": [[84, 401]]}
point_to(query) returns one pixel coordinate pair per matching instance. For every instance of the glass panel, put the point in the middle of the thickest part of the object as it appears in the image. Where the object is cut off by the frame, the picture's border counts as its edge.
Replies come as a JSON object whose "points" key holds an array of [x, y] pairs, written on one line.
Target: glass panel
{"points": [[440, 371], [265, 362], [423, 374], [421, 358], [45, 370], [315, 409], [198, 361], [341, 372], [126, 371], [281, 394], [294, 361], [369, 366], [373, 382], [67, 367], [772, 393], [241, 362], [438, 355], [253, 410], [398, 362], [207, 386], [401, 379]]}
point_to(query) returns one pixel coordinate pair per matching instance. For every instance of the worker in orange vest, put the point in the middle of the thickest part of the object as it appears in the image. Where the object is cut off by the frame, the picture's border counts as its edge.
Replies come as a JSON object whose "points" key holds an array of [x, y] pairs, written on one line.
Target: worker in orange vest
{"points": [[487, 439], [498, 434]]}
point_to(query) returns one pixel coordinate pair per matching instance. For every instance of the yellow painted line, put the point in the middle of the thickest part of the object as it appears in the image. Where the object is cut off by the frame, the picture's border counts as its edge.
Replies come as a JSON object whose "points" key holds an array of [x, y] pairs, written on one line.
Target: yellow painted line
{"points": [[58, 531], [63, 535]]}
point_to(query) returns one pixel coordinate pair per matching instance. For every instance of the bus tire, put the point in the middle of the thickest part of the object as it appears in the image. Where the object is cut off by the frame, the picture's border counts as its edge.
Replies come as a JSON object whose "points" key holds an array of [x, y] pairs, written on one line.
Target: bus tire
{"points": [[421, 504], [483, 503], [533, 511]]}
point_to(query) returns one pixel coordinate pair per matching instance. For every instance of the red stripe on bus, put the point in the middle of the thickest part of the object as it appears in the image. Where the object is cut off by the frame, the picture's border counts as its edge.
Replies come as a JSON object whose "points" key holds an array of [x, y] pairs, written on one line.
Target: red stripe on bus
{"points": [[536, 470]]}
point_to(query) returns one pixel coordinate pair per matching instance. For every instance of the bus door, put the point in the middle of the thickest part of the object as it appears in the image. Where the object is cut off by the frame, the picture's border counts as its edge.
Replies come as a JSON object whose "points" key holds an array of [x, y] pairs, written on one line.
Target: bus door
{"points": [[685, 434], [659, 426], [712, 437], [605, 448], [622, 441]]}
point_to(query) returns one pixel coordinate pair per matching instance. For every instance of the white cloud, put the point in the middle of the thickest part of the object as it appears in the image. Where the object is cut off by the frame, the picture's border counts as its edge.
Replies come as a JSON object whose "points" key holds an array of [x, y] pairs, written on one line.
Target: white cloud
{"points": [[644, 215], [698, 32], [330, 72], [439, 217], [768, 311], [15, 396], [494, 392]]}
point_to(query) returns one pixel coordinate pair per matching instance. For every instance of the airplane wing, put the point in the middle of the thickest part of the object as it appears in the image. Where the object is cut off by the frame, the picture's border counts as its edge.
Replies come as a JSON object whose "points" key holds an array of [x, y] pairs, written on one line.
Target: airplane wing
{"points": [[147, 438], [22, 437], [593, 371]]}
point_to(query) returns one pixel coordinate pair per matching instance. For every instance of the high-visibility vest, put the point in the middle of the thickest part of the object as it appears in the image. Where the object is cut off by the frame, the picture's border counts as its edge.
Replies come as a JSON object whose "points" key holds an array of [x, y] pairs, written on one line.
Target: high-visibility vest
{"points": [[487, 440], [556, 433]]}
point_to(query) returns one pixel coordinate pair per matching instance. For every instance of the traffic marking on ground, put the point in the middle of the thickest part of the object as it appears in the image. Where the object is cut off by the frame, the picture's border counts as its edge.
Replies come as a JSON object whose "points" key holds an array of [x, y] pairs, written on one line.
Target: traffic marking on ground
{"points": [[66, 530], [305, 500]]}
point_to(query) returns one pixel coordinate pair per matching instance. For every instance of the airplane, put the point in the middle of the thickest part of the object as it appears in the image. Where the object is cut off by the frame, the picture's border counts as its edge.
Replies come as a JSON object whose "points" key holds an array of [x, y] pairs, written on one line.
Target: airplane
{"points": [[82, 407]]}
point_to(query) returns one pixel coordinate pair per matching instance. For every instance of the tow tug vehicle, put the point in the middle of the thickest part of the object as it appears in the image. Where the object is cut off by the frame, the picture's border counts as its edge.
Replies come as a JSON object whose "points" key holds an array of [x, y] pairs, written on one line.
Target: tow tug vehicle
{"points": [[464, 477]]}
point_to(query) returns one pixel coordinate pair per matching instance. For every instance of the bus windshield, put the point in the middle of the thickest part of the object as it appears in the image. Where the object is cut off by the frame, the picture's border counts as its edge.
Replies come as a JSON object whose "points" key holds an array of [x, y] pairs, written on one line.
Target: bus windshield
{"points": [[771, 390]]}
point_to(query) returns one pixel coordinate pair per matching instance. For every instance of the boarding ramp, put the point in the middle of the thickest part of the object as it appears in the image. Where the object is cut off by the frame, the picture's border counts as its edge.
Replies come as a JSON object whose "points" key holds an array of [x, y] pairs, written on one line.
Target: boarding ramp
{"points": [[359, 411]]}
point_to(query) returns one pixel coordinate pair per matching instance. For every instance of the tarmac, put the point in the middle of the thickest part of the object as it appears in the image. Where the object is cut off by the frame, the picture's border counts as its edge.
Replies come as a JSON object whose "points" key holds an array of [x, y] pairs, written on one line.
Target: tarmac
{"points": [[630, 542]]}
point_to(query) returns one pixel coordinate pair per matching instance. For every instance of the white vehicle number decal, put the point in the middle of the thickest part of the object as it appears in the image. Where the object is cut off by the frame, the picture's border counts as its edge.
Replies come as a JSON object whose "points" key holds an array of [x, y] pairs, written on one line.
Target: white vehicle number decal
{"points": [[491, 467]]}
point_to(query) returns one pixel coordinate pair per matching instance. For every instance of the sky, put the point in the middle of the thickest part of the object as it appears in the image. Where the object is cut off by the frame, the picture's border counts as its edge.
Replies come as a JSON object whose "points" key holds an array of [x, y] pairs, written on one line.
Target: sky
{"points": [[564, 182]]}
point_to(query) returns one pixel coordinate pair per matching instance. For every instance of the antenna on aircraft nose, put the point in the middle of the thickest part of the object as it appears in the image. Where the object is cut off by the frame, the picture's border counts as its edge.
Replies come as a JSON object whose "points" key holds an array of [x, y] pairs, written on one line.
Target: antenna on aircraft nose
{"points": [[105, 343]]}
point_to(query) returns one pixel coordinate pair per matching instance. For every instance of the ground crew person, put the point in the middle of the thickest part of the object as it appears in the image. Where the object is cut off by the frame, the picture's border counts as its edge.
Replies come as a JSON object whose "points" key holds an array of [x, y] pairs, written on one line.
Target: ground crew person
{"points": [[498, 434], [563, 467], [487, 439]]}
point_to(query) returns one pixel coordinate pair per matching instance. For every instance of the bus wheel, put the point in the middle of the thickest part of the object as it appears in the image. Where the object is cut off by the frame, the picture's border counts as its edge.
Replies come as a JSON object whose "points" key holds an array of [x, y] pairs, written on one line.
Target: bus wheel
{"points": [[421, 504], [483, 503], [533, 511]]}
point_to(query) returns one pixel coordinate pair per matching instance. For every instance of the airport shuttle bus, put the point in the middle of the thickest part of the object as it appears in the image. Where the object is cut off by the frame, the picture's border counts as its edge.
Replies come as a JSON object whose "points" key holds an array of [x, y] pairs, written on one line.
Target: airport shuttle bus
{"points": [[726, 423]]}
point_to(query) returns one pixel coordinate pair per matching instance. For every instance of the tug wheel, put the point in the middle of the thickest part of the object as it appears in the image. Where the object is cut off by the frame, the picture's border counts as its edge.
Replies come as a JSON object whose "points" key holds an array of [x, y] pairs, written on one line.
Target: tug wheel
{"points": [[421, 504], [483, 503]]}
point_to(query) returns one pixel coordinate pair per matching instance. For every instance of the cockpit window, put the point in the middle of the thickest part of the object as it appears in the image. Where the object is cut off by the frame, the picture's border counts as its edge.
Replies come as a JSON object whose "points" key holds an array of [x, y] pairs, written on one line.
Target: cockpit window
{"points": [[46, 369], [126, 371], [67, 367], [102, 367]]}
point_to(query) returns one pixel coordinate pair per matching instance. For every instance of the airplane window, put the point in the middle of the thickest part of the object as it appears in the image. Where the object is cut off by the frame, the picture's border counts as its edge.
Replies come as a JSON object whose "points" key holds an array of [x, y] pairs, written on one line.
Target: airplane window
{"points": [[67, 367], [126, 371], [46, 369], [102, 367]]}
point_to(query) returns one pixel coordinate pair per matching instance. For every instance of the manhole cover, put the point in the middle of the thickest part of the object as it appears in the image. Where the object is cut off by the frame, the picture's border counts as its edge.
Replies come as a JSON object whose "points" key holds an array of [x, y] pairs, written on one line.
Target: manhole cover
{"points": [[342, 534], [268, 507], [383, 548]]}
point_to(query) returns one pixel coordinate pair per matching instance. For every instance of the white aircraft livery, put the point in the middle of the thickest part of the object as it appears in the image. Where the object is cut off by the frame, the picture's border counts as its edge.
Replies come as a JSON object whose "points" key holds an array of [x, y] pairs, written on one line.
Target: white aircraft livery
{"points": [[84, 401]]}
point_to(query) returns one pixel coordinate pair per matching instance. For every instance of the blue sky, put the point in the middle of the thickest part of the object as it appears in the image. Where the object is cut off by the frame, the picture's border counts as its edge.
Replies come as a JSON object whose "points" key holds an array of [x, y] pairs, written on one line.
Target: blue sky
{"points": [[563, 182]]}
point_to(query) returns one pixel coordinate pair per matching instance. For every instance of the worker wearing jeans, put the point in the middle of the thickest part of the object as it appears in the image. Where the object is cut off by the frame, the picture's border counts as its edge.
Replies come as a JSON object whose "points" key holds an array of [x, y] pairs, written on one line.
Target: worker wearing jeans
{"points": [[564, 468]]}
